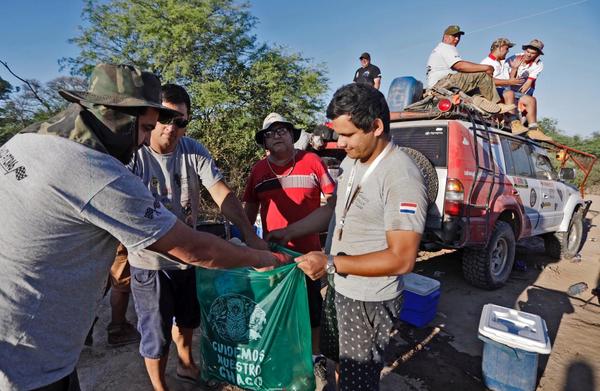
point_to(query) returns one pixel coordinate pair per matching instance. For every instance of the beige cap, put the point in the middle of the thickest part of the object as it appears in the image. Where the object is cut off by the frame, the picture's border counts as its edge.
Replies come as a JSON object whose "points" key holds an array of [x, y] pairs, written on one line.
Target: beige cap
{"points": [[535, 44], [501, 42]]}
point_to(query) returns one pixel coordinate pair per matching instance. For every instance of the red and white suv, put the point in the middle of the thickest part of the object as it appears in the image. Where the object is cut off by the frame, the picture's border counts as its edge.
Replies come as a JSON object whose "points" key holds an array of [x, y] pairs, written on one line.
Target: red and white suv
{"points": [[493, 188]]}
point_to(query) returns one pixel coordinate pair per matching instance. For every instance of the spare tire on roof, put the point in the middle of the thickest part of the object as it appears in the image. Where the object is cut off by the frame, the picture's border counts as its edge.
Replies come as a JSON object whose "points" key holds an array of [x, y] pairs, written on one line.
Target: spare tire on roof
{"points": [[427, 171]]}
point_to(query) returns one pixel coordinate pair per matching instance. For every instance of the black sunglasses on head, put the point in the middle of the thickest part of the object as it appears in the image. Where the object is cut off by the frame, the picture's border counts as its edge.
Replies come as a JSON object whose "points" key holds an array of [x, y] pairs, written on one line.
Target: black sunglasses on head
{"points": [[179, 122]]}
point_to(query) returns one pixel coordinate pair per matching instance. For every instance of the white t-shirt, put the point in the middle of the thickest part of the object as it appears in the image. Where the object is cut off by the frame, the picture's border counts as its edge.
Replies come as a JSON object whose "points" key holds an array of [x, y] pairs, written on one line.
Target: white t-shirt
{"points": [[501, 68], [527, 71], [440, 63], [65, 208]]}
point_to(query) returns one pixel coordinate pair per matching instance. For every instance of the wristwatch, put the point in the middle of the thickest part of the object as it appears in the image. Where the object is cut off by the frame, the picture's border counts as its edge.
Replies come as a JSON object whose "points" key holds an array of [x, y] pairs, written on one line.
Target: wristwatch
{"points": [[330, 268]]}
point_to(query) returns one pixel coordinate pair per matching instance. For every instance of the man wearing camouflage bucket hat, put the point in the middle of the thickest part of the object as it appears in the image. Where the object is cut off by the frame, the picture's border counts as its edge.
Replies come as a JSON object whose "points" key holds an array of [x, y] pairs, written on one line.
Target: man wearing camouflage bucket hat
{"points": [[66, 200]]}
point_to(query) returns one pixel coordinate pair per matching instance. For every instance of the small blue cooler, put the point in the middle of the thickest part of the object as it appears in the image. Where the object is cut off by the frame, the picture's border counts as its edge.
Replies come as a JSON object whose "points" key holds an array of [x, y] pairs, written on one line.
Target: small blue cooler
{"points": [[512, 341], [421, 296]]}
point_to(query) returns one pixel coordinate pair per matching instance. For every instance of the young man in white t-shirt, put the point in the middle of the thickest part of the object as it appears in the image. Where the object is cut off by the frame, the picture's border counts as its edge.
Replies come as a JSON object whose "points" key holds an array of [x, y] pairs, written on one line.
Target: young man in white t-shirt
{"points": [[502, 79], [526, 66], [446, 69]]}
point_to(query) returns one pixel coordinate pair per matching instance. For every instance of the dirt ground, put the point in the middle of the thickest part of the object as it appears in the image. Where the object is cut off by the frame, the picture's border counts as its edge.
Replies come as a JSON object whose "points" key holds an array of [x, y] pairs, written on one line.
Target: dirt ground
{"points": [[452, 359]]}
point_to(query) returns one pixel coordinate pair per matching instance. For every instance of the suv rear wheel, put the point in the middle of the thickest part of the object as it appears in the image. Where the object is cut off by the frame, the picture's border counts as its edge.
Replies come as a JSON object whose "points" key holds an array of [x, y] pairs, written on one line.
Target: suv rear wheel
{"points": [[427, 171], [565, 244], [490, 267]]}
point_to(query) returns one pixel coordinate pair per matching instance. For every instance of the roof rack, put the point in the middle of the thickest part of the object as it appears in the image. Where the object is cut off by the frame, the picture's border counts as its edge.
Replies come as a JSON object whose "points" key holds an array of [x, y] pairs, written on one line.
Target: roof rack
{"points": [[461, 107], [403, 116], [582, 160]]}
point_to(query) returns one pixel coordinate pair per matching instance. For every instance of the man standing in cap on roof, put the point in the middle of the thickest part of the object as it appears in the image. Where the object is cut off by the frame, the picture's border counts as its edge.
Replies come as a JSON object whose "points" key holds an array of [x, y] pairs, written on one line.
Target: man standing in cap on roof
{"points": [[446, 69], [67, 200], [367, 73], [286, 186], [526, 67]]}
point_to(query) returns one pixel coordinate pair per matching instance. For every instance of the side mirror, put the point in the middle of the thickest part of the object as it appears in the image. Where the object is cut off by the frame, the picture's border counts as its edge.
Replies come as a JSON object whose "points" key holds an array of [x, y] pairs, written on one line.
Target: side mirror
{"points": [[567, 174]]}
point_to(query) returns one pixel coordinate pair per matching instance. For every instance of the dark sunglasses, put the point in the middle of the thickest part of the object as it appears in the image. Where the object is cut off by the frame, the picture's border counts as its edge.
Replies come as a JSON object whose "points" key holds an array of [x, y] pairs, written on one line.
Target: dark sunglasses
{"points": [[179, 122], [279, 132]]}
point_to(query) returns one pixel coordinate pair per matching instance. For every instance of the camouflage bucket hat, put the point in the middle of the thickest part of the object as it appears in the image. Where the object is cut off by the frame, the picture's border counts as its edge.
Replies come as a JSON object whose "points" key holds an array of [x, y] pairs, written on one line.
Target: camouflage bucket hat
{"points": [[122, 86]]}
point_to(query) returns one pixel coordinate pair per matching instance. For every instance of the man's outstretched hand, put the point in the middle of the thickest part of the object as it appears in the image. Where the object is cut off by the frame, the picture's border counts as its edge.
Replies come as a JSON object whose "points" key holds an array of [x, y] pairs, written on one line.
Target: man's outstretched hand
{"points": [[271, 260], [313, 264], [281, 236]]}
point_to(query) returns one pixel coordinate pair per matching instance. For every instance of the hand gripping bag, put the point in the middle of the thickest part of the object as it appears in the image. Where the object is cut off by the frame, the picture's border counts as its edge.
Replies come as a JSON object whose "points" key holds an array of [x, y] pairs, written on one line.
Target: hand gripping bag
{"points": [[255, 330]]}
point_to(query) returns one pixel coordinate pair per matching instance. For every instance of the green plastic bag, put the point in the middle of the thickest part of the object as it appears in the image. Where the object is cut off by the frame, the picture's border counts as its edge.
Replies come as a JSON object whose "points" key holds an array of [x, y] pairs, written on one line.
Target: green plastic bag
{"points": [[255, 330]]}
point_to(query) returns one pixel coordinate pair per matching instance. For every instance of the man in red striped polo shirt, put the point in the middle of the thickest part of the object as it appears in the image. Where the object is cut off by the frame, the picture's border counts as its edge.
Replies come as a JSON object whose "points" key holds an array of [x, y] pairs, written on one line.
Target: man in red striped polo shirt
{"points": [[286, 186]]}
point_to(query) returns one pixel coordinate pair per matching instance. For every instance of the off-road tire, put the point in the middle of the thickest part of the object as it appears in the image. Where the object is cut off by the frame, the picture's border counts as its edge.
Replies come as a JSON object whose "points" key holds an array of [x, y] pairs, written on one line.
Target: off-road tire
{"points": [[563, 244], [490, 267], [427, 172]]}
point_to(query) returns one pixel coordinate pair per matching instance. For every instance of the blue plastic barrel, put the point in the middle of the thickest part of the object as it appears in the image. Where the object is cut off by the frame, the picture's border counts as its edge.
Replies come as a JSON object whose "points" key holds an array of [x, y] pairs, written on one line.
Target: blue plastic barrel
{"points": [[404, 91]]}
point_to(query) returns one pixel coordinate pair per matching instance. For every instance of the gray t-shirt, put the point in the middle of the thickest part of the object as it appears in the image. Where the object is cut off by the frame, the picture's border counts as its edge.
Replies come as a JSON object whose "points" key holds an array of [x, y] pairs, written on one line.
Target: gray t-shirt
{"points": [[174, 179], [392, 198], [64, 207]]}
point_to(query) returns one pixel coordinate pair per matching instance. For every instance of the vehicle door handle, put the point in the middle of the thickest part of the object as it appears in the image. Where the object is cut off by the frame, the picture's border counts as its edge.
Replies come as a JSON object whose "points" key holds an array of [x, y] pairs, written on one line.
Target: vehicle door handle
{"points": [[545, 195]]}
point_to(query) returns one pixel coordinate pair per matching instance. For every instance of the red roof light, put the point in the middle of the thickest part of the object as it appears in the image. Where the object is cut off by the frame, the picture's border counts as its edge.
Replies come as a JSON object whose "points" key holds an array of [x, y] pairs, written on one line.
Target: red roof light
{"points": [[444, 105]]}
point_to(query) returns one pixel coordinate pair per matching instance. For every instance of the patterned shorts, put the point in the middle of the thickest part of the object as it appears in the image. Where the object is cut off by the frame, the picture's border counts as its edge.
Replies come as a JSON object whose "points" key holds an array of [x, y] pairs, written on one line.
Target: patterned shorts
{"points": [[364, 334]]}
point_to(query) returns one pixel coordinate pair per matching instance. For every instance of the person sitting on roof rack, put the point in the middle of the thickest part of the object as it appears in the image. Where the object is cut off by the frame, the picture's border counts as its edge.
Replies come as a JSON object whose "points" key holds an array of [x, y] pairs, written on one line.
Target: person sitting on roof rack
{"points": [[526, 67], [445, 69], [501, 76]]}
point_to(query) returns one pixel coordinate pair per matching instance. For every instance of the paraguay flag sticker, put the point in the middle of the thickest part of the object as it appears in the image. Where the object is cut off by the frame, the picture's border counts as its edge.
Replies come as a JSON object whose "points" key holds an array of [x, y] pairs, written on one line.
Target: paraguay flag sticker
{"points": [[408, 208]]}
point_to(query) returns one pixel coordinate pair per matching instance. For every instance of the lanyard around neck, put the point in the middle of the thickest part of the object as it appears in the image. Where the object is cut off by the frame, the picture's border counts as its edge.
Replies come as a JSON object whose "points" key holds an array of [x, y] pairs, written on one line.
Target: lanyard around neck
{"points": [[350, 196]]}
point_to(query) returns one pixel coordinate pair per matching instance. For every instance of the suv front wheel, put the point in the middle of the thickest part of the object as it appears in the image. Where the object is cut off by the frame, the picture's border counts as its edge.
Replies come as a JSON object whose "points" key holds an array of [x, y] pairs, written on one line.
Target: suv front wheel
{"points": [[490, 267], [565, 244]]}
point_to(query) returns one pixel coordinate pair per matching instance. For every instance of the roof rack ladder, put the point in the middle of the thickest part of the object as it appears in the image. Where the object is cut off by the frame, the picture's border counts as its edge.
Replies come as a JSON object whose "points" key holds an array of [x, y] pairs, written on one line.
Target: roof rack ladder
{"points": [[478, 169]]}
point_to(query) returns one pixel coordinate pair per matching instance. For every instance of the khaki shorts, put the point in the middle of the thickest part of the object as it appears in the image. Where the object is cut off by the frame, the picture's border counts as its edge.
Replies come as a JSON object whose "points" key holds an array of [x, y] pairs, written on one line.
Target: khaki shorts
{"points": [[120, 276]]}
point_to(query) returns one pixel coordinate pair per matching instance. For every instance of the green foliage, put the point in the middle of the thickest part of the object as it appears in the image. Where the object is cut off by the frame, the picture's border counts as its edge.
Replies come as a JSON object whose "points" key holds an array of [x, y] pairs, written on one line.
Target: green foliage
{"points": [[5, 89], [20, 109], [589, 144], [206, 46]]}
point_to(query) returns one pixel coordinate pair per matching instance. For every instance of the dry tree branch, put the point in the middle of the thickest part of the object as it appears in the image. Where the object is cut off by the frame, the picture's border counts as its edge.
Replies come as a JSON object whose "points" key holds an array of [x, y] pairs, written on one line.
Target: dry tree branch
{"points": [[43, 102]]}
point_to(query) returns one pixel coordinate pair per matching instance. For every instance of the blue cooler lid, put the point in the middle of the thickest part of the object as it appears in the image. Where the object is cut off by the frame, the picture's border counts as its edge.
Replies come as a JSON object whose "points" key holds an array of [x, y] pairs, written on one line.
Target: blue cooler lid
{"points": [[517, 329], [419, 284]]}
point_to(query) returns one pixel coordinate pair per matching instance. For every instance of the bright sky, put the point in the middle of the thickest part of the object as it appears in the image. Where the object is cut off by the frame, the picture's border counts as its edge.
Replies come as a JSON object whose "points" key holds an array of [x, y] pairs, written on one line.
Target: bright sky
{"points": [[399, 36]]}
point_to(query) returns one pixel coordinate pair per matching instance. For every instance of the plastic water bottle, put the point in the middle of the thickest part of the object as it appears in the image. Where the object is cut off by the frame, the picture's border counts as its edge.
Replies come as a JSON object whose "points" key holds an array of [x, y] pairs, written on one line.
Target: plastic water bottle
{"points": [[578, 288]]}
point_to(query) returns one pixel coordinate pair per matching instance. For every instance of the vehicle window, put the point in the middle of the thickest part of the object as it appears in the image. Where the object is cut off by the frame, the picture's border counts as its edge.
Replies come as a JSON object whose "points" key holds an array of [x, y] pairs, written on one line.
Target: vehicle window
{"points": [[431, 141], [517, 157], [543, 167], [497, 153]]}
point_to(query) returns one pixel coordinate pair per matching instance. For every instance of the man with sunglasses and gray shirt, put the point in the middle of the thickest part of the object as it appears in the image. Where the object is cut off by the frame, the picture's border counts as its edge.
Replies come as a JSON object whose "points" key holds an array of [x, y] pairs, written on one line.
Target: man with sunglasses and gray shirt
{"points": [[175, 168]]}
